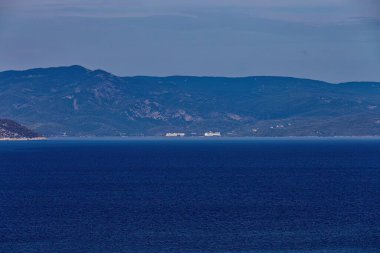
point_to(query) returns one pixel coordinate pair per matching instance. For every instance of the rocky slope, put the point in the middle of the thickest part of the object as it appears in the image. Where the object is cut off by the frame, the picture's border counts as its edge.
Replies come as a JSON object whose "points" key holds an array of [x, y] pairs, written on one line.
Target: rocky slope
{"points": [[75, 101], [12, 130]]}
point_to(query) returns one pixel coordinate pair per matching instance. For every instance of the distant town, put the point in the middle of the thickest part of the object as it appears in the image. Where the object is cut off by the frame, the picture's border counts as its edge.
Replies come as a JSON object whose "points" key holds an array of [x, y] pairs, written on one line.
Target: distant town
{"points": [[206, 134]]}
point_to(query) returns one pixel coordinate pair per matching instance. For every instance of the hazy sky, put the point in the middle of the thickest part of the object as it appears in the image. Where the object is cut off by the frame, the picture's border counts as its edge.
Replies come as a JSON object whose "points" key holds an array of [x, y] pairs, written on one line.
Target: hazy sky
{"points": [[333, 40]]}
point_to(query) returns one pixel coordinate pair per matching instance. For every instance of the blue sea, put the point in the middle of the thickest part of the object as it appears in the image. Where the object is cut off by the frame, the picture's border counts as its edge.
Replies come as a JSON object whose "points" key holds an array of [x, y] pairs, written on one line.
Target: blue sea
{"points": [[254, 195]]}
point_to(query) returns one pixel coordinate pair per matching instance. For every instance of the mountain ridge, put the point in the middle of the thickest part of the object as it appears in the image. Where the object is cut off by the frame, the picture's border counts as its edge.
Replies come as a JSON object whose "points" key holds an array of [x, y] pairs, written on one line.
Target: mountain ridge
{"points": [[84, 69], [76, 101]]}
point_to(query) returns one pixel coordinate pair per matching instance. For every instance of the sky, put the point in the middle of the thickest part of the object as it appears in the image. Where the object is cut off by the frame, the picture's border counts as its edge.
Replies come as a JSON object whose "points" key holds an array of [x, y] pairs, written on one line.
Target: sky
{"points": [[330, 40]]}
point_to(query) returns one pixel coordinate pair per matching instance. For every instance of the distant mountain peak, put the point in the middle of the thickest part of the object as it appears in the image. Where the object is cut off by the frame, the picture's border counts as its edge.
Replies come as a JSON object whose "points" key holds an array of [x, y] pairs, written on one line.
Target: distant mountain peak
{"points": [[76, 68], [100, 72]]}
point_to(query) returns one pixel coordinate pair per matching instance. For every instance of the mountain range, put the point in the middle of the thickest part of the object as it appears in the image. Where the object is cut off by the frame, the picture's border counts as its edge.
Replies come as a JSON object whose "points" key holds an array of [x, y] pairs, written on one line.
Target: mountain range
{"points": [[75, 101]]}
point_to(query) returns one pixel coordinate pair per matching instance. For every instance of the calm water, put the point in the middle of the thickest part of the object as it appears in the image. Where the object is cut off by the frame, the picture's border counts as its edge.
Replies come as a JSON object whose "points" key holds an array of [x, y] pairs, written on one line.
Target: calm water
{"points": [[190, 196]]}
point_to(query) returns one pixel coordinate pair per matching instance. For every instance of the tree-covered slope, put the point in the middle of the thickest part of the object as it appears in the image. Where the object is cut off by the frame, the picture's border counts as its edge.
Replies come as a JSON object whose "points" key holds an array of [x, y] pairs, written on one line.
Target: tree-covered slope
{"points": [[76, 101]]}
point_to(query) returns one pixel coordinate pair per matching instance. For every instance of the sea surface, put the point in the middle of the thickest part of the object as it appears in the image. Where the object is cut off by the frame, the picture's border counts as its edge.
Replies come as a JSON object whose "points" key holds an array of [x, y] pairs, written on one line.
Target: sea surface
{"points": [[255, 195]]}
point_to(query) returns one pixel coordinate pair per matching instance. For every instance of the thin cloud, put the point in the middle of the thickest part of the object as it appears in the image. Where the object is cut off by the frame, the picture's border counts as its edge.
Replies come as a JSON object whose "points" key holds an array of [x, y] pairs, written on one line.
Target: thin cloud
{"points": [[317, 11]]}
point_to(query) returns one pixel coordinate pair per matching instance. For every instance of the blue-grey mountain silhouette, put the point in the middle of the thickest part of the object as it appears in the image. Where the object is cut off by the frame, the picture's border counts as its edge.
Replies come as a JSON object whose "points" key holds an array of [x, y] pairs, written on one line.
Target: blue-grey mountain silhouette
{"points": [[75, 101]]}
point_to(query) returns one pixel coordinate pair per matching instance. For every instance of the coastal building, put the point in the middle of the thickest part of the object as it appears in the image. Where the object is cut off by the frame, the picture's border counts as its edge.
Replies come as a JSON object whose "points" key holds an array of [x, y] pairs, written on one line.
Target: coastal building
{"points": [[175, 134], [212, 134]]}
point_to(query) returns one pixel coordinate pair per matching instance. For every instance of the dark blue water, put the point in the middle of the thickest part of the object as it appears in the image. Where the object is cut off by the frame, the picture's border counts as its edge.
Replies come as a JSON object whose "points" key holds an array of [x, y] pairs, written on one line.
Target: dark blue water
{"points": [[190, 196]]}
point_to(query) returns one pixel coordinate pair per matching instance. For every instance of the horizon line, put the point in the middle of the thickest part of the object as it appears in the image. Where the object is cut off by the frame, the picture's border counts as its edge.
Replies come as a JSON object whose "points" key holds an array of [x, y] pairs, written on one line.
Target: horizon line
{"points": [[184, 75]]}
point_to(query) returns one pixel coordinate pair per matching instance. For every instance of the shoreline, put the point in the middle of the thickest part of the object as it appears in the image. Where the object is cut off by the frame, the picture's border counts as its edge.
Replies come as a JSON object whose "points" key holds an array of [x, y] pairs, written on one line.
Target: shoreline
{"points": [[191, 138], [24, 139], [202, 138]]}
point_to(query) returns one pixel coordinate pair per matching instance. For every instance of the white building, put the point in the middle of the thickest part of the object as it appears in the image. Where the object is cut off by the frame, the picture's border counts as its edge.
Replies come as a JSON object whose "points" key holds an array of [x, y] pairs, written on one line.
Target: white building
{"points": [[212, 134], [175, 134]]}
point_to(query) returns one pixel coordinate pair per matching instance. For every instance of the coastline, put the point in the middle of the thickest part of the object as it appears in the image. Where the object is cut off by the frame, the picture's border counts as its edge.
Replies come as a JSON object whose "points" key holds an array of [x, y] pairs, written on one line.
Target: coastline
{"points": [[189, 138], [202, 138], [23, 139]]}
